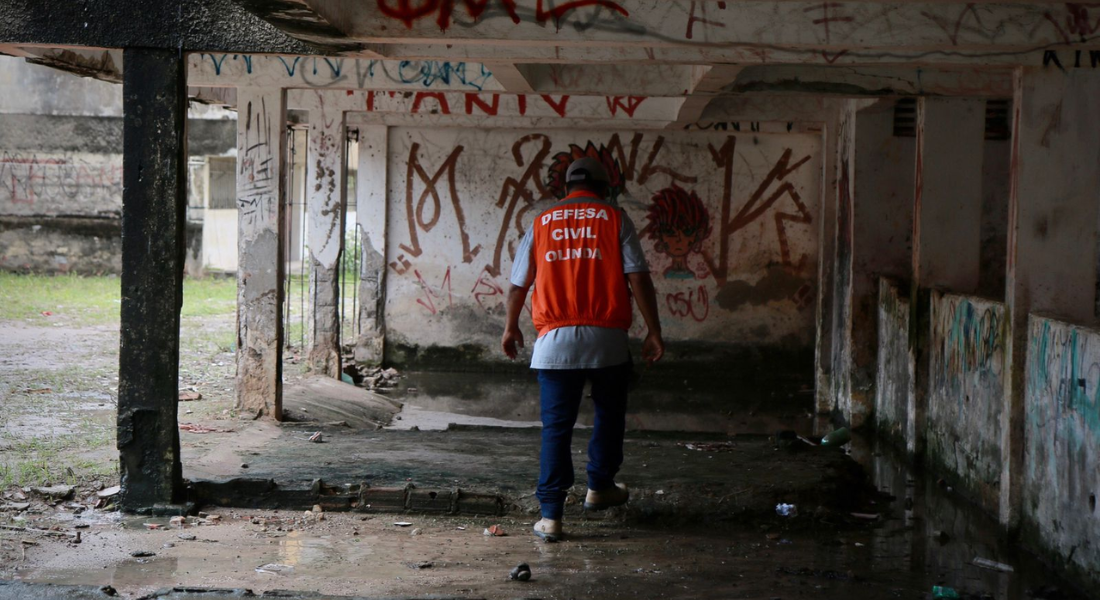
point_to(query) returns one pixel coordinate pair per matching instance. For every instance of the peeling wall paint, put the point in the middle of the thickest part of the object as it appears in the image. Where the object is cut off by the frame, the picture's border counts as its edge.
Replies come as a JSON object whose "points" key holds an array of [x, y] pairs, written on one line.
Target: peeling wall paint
{"points": [[740, 272], [966, 393], [894, 372], [1062, 444]]}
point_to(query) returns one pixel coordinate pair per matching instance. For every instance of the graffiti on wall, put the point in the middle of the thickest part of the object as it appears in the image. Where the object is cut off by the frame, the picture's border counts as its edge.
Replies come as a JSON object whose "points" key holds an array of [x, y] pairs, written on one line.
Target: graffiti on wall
{"points": [[1063, 372], [725, 230], [441, 11], [969, 336], [30, 179], [257, 187], [678, 222]]}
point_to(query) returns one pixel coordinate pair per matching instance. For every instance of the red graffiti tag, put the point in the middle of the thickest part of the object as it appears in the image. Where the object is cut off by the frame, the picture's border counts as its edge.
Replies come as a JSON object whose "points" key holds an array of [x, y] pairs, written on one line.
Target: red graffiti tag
{"points": [[627, 104], [487, 288], [489, 109], [559, 106], [431, 295], [695, 304]]}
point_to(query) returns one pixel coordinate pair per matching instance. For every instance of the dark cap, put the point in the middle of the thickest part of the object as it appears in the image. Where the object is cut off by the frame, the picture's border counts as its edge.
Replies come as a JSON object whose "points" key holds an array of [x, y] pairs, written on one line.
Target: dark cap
{"points": [[586, 170]]}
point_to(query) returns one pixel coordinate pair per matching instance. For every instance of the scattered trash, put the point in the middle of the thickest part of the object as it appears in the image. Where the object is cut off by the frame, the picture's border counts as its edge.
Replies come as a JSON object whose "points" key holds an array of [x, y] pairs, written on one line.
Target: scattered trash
{"points": [[837, 438], [316, 438], [177, 522], [786, 510], [187, 537], [709, 446], [415, 531], [522, 572], [659, 493], [460, 528], [347, 379], [495, 531], [47, 313], [993, 565], [274, 568], [403, 524], [192, 428], [142, 554], [944, 592], [111, 491], [865, 516], [152, 526], [188, 396]]}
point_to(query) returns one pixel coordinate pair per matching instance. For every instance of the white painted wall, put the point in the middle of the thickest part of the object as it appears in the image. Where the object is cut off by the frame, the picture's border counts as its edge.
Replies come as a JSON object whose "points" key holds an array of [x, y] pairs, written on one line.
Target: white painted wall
{"points": [[449, 248]]}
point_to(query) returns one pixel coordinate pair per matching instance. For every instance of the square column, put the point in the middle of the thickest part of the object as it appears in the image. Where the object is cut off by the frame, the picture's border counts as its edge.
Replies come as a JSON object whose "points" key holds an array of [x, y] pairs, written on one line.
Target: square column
{"points": [[947, 205], [326, 185], [882, 222], [154, 203], [947, 226], [824, 402], [372, 214], [1054, 207], [261, 154]]}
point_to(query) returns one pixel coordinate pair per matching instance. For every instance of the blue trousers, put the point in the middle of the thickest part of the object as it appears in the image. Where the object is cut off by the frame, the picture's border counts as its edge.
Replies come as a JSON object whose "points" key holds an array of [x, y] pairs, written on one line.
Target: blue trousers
{"points": [[560, 395]]}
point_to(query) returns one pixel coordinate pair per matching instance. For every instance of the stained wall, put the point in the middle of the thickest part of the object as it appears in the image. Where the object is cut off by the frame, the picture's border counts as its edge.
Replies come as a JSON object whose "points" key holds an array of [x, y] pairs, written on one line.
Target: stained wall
{"points": [[966, 394], [1062, 444], [737, 276]]}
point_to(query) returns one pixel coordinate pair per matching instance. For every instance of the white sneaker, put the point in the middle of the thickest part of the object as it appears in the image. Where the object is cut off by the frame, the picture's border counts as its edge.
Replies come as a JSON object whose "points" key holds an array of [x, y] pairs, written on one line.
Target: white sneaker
{"points": [[605, 499], [549, 530]]}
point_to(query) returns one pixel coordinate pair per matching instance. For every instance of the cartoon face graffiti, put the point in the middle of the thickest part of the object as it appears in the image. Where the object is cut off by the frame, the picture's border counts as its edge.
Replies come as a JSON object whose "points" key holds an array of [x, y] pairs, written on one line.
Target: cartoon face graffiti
{"points": [[555, 177], [679, 223]]}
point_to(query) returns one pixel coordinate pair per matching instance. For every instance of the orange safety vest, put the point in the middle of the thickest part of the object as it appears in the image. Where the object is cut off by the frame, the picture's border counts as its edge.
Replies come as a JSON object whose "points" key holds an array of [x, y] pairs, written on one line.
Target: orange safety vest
{"points": [[579, 266]]}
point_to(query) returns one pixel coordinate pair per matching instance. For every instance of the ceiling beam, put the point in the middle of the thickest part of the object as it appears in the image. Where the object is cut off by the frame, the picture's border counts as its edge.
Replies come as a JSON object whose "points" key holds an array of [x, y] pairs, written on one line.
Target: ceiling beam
{"points": [[831, 29]]}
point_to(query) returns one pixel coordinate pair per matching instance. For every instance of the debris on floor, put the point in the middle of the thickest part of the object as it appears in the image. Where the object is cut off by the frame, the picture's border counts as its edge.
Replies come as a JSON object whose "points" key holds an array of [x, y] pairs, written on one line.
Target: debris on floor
{"points": [[522, 572]]}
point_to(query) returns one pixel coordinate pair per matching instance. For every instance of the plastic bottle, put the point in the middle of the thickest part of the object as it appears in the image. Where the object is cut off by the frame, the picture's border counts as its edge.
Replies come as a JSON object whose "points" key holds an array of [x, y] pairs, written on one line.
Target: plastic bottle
{"points": [[837, 438]]}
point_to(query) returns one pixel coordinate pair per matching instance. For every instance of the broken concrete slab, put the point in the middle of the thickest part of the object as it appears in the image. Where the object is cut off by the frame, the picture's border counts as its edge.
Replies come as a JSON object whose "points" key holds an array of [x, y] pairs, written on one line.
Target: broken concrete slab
{"points": [[19, 590], [326, 399]]}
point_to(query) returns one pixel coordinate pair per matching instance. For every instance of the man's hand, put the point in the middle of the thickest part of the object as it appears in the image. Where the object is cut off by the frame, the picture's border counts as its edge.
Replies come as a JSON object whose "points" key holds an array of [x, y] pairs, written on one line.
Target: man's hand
{"points": [[653, 348], [512, 337]]}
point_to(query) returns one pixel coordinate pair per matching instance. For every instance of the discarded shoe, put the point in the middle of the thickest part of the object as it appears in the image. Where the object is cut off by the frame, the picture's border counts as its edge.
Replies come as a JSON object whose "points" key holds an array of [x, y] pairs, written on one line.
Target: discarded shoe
{"points": [[549, 530], [605, 499]]}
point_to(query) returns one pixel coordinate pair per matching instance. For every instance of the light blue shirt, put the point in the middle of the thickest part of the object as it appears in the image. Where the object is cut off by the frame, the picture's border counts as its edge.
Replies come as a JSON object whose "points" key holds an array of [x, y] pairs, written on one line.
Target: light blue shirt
{"points": [[580, 347]]}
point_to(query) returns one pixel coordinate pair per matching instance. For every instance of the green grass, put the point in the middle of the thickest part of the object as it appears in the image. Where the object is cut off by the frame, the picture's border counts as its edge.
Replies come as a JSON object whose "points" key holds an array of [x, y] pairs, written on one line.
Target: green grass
{"points": [[96, 300]]}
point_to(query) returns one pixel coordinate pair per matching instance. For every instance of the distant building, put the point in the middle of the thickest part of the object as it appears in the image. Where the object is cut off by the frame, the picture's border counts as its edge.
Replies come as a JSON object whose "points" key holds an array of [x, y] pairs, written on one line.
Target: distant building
{"points": [[61, 172]]}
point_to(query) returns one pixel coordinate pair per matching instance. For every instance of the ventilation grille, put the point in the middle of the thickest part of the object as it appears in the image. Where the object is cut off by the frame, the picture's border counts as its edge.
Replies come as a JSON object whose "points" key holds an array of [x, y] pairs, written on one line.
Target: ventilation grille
{"points": [[905, 118], [997, 125]]}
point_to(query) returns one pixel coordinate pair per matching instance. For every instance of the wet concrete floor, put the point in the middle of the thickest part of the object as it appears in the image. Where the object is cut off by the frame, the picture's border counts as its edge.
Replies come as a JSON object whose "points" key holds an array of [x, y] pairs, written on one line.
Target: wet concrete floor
{"points": [[924, 537], [701, 523]]}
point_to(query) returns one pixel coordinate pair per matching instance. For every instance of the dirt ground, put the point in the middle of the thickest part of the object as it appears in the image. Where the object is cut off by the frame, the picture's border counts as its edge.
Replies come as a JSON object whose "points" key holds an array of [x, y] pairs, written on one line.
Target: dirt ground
{"points": [[58, 395]]}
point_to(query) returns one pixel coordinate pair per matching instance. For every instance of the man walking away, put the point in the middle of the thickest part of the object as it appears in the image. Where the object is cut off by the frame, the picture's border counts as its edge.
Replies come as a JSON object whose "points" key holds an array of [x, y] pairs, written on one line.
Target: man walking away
{"points": [[585, 261]]}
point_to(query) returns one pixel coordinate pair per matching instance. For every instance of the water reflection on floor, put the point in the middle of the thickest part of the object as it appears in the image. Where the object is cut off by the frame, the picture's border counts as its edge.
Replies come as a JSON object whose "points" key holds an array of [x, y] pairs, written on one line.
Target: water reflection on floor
{"points": [[696, 404]]}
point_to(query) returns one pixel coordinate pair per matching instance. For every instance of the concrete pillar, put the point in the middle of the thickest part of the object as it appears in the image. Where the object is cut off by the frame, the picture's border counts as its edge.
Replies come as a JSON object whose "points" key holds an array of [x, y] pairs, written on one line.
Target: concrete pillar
{"points": [[372, 214], [842, 261], [823, 346], [947, 218], [947, 206], [261, 152], [1054, 207], [154, 203], [326, 186], [882, 222]]}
